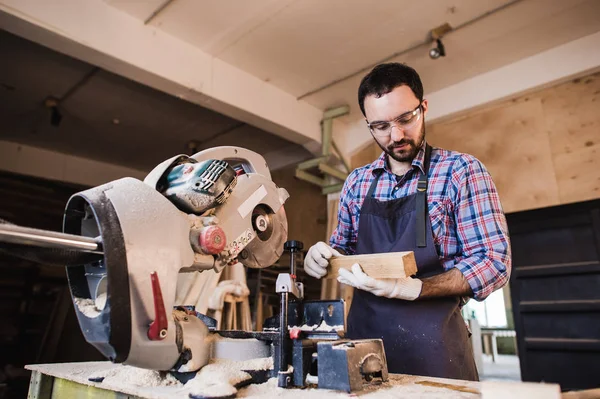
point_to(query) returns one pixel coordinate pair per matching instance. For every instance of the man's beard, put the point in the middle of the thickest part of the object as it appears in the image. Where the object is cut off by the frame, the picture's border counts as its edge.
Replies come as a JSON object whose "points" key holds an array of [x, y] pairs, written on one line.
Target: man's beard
{"points": [[408, 153]]}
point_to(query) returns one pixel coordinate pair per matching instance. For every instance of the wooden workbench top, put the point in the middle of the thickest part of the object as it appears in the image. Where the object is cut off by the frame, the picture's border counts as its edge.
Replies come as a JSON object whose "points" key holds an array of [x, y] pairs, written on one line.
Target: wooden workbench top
{"points": [[72, 376]]}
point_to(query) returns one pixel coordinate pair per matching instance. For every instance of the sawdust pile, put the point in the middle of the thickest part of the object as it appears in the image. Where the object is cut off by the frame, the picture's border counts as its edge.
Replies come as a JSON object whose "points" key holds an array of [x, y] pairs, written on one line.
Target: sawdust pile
{"points": [[125, 376], [220, 377], [270, 390], [87, 306], [319, 327]]}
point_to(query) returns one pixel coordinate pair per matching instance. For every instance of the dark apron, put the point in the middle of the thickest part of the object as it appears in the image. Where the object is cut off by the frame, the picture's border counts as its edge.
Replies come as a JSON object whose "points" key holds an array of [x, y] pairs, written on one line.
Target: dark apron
{"points": [[423, 337]]}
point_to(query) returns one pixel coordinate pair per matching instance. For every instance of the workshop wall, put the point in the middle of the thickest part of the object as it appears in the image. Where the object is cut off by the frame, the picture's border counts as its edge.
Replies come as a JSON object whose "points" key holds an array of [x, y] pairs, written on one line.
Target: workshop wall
{"points": [[542, 148], [306, 208]]}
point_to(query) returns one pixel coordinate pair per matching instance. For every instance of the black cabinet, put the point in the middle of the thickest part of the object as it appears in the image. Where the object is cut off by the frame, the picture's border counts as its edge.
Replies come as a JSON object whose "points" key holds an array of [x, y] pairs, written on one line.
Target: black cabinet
{"points": [[555, 288]]}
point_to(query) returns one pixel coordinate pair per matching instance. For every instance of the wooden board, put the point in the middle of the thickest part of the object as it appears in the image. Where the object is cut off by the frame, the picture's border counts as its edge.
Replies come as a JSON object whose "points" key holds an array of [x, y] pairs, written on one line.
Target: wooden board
{"points": [[386, 265], [70, 380]]}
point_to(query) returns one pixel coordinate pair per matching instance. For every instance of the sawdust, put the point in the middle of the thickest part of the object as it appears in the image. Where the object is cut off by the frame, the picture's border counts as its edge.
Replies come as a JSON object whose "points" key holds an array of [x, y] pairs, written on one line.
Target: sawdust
{"points": [[315, 327], [397, 387], [216, 390], [262, 363], [124, 376], [220, 377], [320, 327], [270, 390], [87, 306]]}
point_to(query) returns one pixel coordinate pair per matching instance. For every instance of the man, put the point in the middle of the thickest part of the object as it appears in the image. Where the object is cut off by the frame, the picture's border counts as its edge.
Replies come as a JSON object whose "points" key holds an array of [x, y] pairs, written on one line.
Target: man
{"points": [[440, 204]]}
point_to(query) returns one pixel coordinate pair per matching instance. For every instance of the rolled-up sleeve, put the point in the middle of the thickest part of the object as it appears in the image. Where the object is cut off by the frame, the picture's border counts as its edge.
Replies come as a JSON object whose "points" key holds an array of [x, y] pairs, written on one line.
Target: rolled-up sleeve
{"points": [[484, 245]]}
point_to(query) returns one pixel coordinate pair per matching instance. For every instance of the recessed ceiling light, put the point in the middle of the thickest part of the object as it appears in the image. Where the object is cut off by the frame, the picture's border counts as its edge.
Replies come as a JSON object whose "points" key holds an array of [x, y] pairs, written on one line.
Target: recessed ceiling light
{"points": [[116, 121]]}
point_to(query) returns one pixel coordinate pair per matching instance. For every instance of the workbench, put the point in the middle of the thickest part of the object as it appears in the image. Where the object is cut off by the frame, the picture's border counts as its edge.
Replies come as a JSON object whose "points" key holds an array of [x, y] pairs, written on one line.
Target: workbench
{"points": [[70, 380]]}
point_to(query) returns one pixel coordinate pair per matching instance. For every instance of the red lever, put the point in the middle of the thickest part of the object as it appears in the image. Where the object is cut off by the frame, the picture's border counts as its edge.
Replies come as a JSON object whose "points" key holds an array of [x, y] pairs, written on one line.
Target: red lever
{"points": [[158, 328]]}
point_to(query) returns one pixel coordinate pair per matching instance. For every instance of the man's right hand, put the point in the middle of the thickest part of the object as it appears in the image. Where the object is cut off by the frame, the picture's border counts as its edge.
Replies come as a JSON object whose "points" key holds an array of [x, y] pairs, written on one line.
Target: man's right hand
{"points": [[317, 259]]}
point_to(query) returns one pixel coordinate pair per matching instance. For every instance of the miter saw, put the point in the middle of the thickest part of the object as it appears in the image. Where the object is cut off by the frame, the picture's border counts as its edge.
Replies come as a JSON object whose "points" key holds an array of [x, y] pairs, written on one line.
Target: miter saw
{"points": [[127, 242]]}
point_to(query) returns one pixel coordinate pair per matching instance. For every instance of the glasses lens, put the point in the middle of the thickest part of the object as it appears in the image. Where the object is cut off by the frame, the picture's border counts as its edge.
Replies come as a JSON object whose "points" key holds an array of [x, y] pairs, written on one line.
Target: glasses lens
{"points": [[404, 122], [381, 129], [408, 121]]}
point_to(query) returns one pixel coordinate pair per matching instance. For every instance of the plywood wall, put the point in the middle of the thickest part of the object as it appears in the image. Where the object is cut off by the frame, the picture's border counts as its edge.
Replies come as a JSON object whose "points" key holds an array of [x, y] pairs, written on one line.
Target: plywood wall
{"points": [[365, 155], [306, 209], [542, 149]]}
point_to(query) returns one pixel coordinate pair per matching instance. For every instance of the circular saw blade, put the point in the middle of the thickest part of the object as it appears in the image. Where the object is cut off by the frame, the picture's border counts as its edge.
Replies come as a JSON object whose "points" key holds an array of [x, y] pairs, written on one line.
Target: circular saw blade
{"points": [[259, 253]]}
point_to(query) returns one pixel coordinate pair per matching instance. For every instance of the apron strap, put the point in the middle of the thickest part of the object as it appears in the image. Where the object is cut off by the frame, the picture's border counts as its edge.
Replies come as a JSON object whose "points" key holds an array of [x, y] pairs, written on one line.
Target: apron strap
{"points": [[421, 198], [376, 173], [422, 201]]}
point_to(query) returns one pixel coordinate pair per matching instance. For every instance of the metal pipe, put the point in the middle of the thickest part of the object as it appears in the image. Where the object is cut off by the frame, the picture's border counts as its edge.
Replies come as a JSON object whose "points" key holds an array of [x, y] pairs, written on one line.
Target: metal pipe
{"points": [[293, 264], [48, 239]]}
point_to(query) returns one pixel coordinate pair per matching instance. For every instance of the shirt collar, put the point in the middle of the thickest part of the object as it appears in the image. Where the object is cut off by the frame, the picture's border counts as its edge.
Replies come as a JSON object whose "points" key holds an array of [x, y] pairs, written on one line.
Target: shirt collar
{"points": [[382, 164]]}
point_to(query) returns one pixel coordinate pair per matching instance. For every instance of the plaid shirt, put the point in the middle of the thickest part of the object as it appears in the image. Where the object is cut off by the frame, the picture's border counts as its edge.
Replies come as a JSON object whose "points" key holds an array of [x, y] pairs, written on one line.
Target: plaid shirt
{"points": [[469, 227]]}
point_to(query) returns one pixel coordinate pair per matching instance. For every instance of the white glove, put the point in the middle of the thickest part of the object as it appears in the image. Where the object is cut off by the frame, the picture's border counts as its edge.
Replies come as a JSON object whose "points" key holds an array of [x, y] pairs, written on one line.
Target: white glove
{"points": [[317, 259], [406, 288]]}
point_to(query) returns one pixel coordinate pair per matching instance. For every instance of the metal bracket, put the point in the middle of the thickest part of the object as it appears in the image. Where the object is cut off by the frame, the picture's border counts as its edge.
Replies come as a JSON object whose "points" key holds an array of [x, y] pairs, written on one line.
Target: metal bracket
{"points": [[285, 283]]}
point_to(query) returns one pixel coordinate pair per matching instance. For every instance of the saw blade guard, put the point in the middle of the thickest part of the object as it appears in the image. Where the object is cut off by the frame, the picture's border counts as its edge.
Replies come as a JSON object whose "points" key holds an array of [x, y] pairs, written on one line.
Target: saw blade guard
{"points": [[227, 189], [114, 299], [253, 217]]}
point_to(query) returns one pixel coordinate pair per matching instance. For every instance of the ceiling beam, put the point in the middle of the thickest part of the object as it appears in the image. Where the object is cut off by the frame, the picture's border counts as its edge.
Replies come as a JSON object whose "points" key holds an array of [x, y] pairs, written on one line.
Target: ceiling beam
{"points": [[95, 32], [47, 164]]}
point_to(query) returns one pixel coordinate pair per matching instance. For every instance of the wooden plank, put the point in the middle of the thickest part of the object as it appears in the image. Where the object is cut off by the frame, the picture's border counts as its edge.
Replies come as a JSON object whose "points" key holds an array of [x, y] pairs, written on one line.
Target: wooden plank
{"points": [[385, 265]]}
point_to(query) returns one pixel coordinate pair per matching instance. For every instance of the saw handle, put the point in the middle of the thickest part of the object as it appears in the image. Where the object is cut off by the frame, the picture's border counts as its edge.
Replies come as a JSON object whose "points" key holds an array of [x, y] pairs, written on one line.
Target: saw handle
{"points": [[158, 328]]}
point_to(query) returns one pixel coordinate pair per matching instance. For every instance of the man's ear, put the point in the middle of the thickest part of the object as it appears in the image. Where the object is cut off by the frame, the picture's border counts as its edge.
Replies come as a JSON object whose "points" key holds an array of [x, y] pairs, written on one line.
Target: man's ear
{"points": [[424, 105]]}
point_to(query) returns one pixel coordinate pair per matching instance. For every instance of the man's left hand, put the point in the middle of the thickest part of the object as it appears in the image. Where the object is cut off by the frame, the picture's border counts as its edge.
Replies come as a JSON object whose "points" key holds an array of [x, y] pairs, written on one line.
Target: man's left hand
{"points": [[406, 288]]}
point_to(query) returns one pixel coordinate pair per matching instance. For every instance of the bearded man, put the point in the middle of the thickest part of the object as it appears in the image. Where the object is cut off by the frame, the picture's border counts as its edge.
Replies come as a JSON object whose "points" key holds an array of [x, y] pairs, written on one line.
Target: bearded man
{"points": [[441, 204]]}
